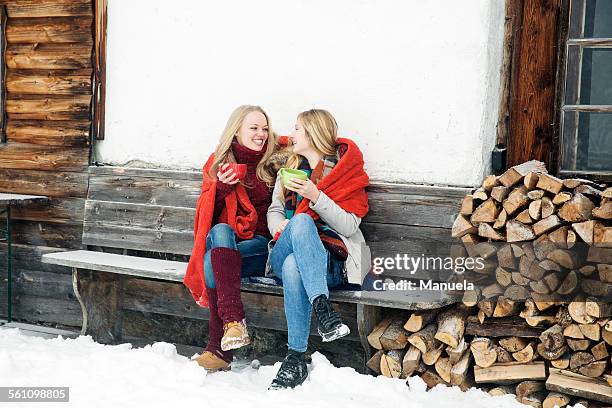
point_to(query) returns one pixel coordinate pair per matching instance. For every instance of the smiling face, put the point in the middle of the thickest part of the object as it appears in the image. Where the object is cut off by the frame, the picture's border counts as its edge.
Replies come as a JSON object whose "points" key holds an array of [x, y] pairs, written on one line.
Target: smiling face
{"points": [[253, 132], [301, 142]]}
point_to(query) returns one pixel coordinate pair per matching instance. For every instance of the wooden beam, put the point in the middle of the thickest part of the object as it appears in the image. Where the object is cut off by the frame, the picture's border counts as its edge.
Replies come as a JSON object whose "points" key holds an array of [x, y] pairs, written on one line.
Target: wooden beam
{"points": [[2, 75], [99, 94], [50, 30]]}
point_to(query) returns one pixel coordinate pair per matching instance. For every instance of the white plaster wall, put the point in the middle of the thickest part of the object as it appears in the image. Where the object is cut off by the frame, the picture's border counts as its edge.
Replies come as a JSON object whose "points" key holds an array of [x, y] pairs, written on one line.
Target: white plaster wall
{"points": [[415, 83]]}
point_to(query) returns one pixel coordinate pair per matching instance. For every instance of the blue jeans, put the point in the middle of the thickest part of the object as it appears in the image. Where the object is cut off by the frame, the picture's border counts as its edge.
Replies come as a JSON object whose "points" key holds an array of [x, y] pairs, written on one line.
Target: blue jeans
{"points": [[307, 270], [254, 252]]}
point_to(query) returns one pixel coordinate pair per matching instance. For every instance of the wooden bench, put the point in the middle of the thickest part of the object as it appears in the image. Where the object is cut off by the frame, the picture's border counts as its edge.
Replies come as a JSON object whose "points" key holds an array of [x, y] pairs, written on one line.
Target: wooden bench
{"points": [[133, 217]]}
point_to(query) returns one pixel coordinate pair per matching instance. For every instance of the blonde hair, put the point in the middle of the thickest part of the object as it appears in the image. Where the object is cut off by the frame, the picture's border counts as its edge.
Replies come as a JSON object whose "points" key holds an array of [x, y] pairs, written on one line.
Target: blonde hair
{"points": [[321, 131], [223, 152]]}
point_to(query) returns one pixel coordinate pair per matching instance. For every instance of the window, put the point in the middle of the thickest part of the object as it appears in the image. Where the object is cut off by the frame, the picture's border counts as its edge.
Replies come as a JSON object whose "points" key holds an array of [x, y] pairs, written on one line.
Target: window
{"points": [[586, 123]]}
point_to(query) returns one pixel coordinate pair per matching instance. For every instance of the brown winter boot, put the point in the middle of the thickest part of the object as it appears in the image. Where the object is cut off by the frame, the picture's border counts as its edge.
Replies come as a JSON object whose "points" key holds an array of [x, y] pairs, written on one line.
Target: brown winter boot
{"points": [[235, 335], [227, 266], [212, 362]]}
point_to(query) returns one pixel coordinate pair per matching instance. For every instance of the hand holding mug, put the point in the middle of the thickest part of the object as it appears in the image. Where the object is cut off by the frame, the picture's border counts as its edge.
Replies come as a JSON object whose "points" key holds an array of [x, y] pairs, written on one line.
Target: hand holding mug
{"points": [[227, 175], [305, 188]]}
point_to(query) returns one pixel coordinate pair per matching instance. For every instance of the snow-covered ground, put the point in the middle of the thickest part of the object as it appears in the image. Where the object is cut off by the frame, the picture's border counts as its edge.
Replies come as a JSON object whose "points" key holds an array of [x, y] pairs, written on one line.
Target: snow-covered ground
{"points": [[156, 376]]}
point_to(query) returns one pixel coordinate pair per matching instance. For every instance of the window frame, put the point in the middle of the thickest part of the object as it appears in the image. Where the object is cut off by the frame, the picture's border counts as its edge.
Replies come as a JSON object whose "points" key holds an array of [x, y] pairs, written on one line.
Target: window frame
{"points": [[577, 9]]}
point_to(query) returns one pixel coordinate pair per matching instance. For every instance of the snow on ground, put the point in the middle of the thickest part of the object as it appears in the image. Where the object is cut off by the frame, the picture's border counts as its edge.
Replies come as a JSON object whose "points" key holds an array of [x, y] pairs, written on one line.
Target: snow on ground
{"points": [[156, 376]]}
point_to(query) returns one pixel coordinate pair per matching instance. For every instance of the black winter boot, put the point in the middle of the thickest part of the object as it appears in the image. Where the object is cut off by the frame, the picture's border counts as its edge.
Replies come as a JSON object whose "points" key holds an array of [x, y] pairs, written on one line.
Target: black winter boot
{"points": [[330, 325], [293, 371]]}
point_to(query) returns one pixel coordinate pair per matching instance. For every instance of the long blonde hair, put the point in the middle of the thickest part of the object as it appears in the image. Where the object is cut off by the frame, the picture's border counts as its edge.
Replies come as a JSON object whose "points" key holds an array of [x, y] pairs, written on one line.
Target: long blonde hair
{"points": [[321, 130], [223, 152]]}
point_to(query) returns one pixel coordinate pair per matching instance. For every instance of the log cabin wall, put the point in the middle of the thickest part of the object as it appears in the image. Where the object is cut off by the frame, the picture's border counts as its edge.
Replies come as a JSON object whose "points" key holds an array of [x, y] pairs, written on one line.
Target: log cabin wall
{"points": [[48, 82]]}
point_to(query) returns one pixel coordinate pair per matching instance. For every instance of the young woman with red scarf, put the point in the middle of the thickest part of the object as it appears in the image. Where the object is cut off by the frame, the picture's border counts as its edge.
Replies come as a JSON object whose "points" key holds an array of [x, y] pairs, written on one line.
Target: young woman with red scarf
{"points": [[230, 230], [318, 244]]}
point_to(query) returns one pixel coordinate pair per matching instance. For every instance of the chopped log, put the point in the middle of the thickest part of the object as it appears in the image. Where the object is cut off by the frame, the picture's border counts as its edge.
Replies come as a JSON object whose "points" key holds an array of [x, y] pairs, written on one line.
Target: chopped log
{"points": [[531, 270], [535, 209], [588, 190], [602, 235], [499, 193], [470, 298], [374, 361], [587, 270], [443, 368], [535, 321], [598, 309], [595, 287], [571, 239], [461, 227], [585, 230], [551, 354], [514, 174], [516, 200], [391, 363], [526, 354], [548, 207], [502, 390], [394, 337], [418, 320], [411, 361], [559, 236], [600, 351], [555, 399], [561, 198], [505, 307], [578, 345], [460, 369], [552, 338], [487, 231], [500, 222], [451, 325], [594, 369], [552, 281], [467, 205], [513, 344], [379, 329], [579, 359], [600, 255], [605, 272], [489, 182], [502, 327], [569, 284], [529, 310], [607, 193], [515, 232], [480, 194], [549, 265], [505, 257], [565, 258], [502, 355], [549, 183], [517, 250], [535, 194], [543, 246], [578, 209], [509, 373], [573, 332], [432, 379], [604, 211], [524, 217], [575, 182], [562, 362], [546, 224], [575, 384], [485, 212], [455, 353], [516, 293], [503, 277], [526, 389], [591, 331], [483, 351], [424, 339], [431, 356], [531, 180], [520, 279], [492, 290]]}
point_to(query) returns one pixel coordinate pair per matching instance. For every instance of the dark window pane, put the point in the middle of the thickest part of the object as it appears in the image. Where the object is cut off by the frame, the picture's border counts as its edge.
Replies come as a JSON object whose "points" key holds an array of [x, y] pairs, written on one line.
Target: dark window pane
{"points": [[591, 19], [589, 76], [587, 141]]}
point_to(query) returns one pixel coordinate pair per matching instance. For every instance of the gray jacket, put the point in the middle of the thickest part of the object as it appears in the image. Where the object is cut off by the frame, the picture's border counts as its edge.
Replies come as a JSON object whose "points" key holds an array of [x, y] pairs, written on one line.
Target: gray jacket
{"points": [[342, 222]]}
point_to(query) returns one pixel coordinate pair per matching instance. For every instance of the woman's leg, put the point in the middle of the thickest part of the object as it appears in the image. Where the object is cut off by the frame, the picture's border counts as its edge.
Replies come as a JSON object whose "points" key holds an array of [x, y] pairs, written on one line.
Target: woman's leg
{"points": [[254, 253], [297, 306]]}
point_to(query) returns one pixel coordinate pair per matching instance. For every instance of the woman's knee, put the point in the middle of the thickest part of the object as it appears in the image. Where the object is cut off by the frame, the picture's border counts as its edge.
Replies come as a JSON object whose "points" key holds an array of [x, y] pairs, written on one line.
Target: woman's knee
{"points": [[291, 273], [221, 235], [301, 224]]}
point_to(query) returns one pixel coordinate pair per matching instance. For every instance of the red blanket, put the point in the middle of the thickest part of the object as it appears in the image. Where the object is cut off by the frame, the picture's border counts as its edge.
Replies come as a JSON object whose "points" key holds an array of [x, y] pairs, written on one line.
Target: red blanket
{"points": [[345, 184], [239, 213]]}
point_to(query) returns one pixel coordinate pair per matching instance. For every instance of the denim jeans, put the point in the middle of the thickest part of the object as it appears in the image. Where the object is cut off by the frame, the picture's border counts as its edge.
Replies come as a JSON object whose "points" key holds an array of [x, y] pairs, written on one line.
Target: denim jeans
{"points": [[306, 270], [254, 252]]}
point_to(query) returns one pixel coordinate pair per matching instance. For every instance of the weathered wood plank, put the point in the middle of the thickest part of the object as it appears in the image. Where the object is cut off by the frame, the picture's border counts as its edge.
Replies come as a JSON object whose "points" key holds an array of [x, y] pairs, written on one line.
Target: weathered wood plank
{"points": [[50, 30], [575, 384], [47, 234], [27, 257], [24, 106], [152, 217], [262, 311], [48, 8], [25, 156], [48, 183], [63, 82], [98, 171], [40, 284], [99, 57], [55, 210], [49, 133], [44, 310], [48, 56], [501, 327]]}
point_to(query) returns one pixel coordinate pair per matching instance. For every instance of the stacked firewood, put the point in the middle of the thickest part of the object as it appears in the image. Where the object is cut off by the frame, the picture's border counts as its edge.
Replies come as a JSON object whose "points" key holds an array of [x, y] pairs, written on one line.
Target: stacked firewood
{"points": [[538, 322], [563, 359]]}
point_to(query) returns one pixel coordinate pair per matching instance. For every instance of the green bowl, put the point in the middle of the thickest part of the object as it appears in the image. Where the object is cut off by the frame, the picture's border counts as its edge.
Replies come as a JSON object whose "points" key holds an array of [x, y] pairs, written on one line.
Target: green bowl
{"points": [[288, 174]]}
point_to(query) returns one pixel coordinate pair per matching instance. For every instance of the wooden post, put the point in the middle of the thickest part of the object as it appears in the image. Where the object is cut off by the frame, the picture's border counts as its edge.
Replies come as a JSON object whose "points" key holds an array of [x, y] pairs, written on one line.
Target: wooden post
{"points": [[99, 92], [367, 317]]}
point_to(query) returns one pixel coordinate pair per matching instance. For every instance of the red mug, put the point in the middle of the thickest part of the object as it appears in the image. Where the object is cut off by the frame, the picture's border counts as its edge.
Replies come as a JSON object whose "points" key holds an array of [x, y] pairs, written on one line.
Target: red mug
{"points": [[239, 169]]}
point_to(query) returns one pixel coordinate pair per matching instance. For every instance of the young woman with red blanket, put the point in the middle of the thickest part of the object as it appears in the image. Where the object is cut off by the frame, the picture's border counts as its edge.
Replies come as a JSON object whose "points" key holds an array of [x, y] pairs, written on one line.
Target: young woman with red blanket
{"points": [[318, 244], [231, 231]]}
